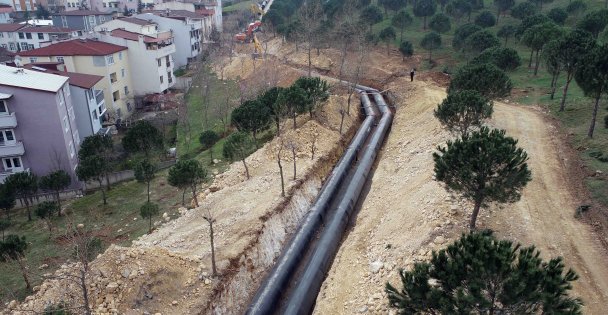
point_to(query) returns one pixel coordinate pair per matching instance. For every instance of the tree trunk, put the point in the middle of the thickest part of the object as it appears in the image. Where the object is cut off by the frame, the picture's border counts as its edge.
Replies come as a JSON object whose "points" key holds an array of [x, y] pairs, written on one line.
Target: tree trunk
{"points": [[537, 64], [594, 116], [294, 120], [255, 138], [506, 39], [475, 213], [497, 16], [401, 36], [341, 120], [27, 206], [58, 202], [184, 197], [388, 52], [211, 154], [213, 266], [246, 168], [309, 60], [107, 181], [21, 264], [562, 106], [193, 187], [293, 153], [281, 172], [103, 193], [430, 55], [85, 292], [531, 55], [424, 25], [554, 84], [148, 191]]}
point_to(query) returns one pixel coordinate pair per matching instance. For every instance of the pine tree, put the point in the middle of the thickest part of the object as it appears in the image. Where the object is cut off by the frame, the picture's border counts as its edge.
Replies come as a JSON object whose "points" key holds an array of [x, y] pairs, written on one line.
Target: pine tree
{"points": [[483, 166], [463, 110], [479, 274]]}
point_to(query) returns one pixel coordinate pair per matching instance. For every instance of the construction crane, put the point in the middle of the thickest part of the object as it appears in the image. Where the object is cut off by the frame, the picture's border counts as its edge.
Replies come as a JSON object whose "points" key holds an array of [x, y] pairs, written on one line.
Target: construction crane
{"points": [[247, 35], [257, 46]]}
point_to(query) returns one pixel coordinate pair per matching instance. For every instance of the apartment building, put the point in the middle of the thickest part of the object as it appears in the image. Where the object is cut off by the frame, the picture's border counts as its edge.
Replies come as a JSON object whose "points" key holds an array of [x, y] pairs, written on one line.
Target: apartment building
{"points": [[24, 5], [188, 31], [149, 51], [87, 97], [20, 37], [38, 131], [81, 20], [95, 58], [5, 13], [114, 5]]}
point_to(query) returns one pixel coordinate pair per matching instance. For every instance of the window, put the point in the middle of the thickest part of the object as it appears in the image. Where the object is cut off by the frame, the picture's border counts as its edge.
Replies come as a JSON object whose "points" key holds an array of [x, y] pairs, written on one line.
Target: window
{"points": [[28, 35], [3, 46], [169, 78], [12, 46], [66, 89], [72, 152], [160, 62], [129, 107], [30, 46], [168, 60], [12, 164], [122, 73], [120, 55], [110, 60], [161, 79], [113, 77], [71, 113], [33, 59], [126, 90], [60, 59], [1, 35], [24, 46], [102, 18], [76, 137], [92, 20], [3, 108], [102, 109], [64, 21], [7, 137], [94, 114], [116, 96], [40, 35], [66, 124], [61, 99], [21, 35]]}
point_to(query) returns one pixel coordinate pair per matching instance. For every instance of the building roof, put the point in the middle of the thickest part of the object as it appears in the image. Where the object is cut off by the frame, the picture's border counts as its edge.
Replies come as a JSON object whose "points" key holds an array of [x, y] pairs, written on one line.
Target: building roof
{"points": [[75, 47], [6, 55], [133, 36], [4, 96], [83, 12], [134, 20], [175, 14], [6, 9], [85, 81], [30, 79], [10, 27], [46, 29], [206, 12]]}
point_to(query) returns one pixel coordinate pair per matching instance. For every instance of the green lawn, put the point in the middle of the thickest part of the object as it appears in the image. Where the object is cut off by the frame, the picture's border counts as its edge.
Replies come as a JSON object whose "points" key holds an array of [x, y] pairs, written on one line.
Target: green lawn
{"points": [[530, 89], [244, 5], [113, 224]]}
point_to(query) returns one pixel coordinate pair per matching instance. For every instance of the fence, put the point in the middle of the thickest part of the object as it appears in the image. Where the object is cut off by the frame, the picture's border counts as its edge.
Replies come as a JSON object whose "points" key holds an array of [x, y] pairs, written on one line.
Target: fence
{"points": [[183, 83], [50, 196]]}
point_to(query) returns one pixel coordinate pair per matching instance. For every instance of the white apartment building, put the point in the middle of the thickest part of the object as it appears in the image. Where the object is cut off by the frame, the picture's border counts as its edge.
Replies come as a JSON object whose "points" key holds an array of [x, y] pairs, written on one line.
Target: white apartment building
{"points": [[149, 52], [21, 37]]}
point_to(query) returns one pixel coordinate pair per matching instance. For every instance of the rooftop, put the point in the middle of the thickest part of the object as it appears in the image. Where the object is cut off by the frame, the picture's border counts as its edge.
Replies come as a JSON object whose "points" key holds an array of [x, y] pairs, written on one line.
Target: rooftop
{"points": [[134, 20], [10, 27], [46, 29], [30, 79], [133, 36], [175, 14], [6, 9], [85, 81], [83, 13], [75, 47]]}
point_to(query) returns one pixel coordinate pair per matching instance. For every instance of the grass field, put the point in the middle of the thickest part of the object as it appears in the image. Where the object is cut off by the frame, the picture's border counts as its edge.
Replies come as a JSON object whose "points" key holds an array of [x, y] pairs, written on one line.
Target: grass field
{"points": [[530, 89], [244, 5], [118, 222]]}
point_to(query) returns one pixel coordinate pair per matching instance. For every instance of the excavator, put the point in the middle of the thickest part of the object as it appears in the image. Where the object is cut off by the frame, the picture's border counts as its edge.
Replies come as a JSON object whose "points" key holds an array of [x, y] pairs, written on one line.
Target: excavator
{"points": [[248, 36]]}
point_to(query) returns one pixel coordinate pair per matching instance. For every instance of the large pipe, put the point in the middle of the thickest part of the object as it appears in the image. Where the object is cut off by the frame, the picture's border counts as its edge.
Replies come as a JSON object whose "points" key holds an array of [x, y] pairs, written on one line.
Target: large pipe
{"points": [[268, 295], [304, 296]]}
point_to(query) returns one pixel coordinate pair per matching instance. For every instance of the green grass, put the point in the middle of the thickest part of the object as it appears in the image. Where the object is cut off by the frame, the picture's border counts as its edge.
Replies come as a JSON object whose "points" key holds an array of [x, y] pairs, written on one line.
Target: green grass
{"points": [[238, 6], [530, 89], [124, 201]]}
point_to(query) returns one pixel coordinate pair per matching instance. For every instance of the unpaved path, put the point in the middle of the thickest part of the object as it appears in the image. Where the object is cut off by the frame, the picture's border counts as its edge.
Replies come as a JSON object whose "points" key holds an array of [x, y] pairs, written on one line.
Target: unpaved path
{"points": [[407, 213]]}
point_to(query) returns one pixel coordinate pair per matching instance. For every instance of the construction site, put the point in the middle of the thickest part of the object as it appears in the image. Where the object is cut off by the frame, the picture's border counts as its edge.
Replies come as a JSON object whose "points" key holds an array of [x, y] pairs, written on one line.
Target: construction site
{"points": [[364, 187]]}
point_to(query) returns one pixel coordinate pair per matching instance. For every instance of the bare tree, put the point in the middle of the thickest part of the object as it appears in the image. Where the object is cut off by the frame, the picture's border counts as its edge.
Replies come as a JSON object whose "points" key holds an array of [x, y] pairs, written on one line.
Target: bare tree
{"points": [[313, 143], [292, 146], [310, 17], [356, 72], [210, 220], [184, 121], [280, 146]]}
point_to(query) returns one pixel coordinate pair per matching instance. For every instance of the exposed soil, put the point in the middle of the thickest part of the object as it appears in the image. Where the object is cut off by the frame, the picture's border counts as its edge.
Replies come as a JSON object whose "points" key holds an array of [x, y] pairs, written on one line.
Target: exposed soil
{"points": [[406, 213]]}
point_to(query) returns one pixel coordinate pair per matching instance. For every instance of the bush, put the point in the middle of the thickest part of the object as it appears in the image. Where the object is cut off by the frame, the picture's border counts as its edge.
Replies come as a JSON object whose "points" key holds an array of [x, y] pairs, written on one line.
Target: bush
{"points": [[485, 19], [558, 15], [208, 138], [179, 72], [462, 33], [487, 79]]}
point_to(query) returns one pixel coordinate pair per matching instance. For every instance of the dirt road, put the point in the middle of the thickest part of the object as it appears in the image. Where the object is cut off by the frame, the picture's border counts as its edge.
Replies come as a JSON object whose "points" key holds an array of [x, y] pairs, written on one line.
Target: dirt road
{"points": [[407, 213]]}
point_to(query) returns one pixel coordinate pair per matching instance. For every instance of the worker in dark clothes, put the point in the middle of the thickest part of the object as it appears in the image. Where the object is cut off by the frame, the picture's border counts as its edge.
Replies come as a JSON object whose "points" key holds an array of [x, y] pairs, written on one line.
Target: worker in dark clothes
{"points": [[412, 73]]}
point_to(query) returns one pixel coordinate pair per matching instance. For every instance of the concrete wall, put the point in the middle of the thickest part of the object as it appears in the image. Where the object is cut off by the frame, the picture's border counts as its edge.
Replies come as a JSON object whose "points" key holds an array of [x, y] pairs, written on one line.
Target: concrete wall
{"points": [[78, 22]]}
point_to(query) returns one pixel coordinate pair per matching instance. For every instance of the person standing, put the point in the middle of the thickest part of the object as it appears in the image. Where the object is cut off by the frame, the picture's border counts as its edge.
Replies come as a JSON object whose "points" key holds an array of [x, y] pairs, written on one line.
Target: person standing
{"points": [[412, 73]]}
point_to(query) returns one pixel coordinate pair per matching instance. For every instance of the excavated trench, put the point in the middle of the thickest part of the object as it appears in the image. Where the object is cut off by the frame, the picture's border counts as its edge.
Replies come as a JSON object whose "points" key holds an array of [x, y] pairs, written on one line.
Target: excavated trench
{"points": [[248, 270]]}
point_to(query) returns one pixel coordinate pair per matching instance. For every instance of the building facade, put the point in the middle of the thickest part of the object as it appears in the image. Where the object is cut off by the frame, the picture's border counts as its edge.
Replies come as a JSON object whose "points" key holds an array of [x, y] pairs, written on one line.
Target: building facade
{"points": [[187, 31], [5, 13], [24, 5], [20, 37], [81, 20], [37, 124], [149, 50], [95, 58]]}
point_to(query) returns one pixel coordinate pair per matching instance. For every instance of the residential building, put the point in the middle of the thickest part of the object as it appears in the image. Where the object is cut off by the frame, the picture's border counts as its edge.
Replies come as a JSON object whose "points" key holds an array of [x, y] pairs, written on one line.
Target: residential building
{"points": [[5, 13], [87, 97], [210, 10], [82, 20], [8, 36], [96, 58], [114, 5], [188, 30], [37, 124], [19, 37], [149, 52], [73, 5], [24, 5]]}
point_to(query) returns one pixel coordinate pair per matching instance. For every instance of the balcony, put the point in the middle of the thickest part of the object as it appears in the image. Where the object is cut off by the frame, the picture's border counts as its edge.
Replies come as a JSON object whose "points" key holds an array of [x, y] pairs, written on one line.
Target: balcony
{"points": [[161, 52], [12, 148], [5, 174], [99, 96], [8, 121]]}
